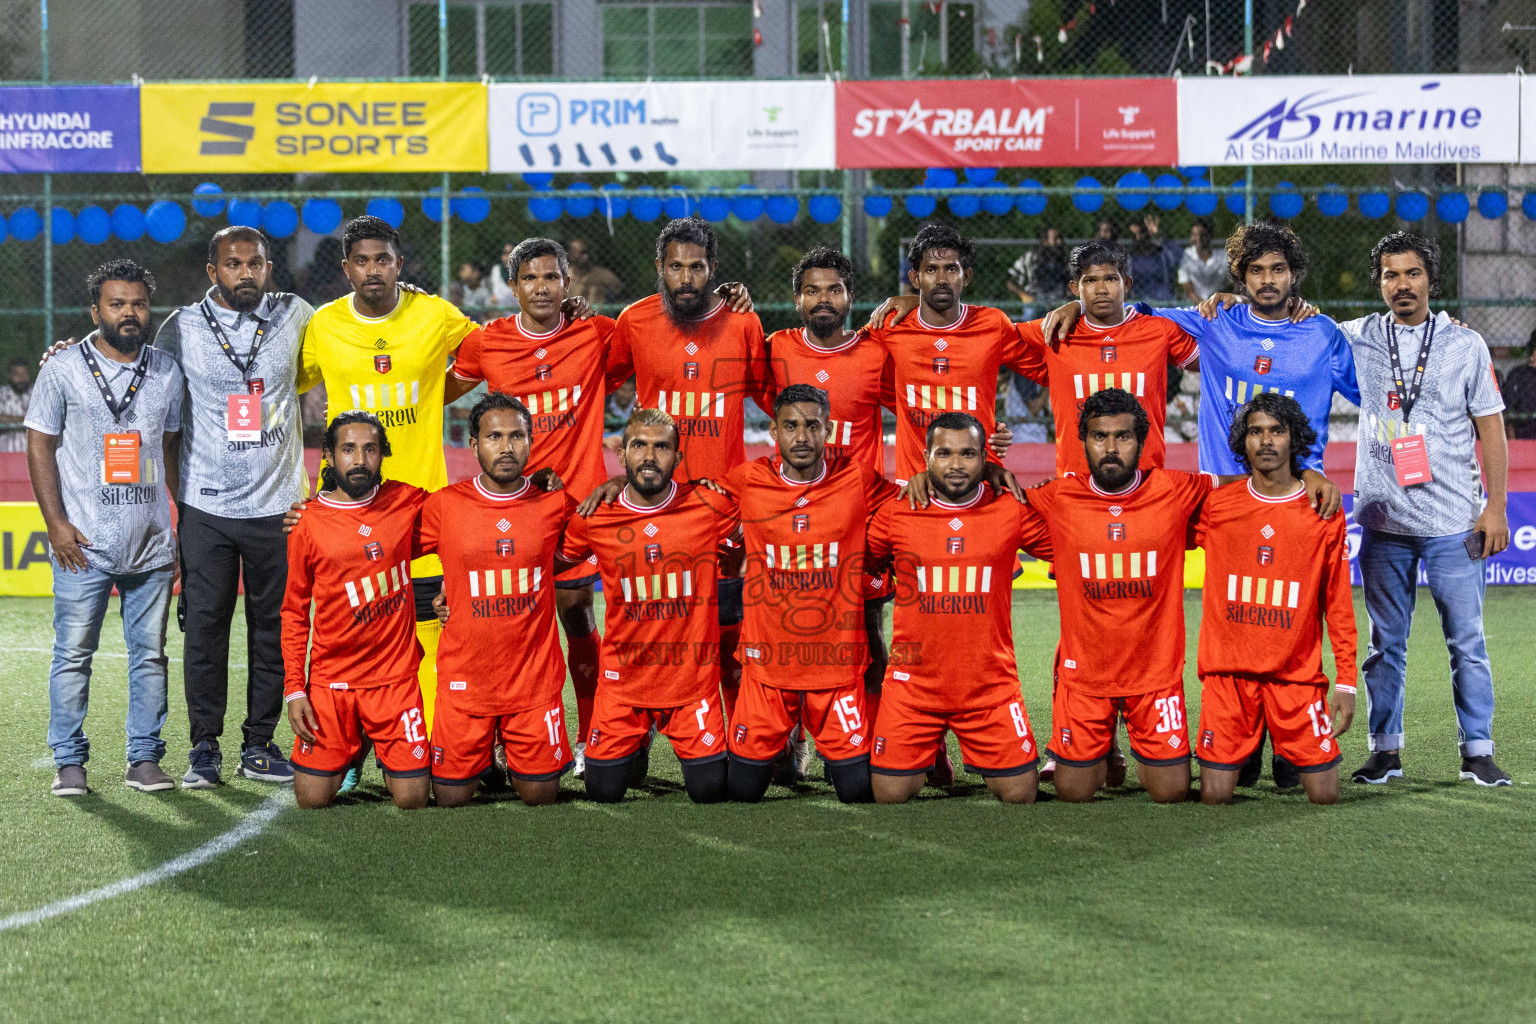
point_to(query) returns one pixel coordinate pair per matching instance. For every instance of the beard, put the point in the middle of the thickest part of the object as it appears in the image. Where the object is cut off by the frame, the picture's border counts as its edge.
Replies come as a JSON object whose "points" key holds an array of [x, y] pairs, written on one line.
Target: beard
{"points": [[942, 487], [20, 389], [1269, 307], [503, 473], [632, 473], [683, 309], [1113, 476], [357, 482], [242, 298], [823, 320], [126, 342]]}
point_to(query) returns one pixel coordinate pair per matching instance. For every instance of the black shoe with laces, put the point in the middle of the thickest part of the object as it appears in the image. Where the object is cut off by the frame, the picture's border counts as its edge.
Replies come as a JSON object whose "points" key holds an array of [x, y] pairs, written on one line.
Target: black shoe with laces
{"points": [[1379, 767], [1484, 772]]}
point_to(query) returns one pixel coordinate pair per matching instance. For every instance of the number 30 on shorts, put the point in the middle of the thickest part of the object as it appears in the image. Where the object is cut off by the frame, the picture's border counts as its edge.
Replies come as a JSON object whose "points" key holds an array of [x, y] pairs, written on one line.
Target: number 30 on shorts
{"points": [[1170, 712]]}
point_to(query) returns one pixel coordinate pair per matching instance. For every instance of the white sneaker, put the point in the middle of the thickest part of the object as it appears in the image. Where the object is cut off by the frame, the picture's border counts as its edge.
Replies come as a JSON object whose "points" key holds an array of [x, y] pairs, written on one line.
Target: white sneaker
{"points": [[581, 760]]}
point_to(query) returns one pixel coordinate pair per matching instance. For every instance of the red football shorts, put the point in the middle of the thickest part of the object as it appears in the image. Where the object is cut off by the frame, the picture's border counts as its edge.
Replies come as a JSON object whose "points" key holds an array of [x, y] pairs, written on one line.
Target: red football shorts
{"points": [[1235, 712], [538, 748], [766, 714], [697, 730], [390, 716], [994, 741], [1082, 725], [578, 576]]}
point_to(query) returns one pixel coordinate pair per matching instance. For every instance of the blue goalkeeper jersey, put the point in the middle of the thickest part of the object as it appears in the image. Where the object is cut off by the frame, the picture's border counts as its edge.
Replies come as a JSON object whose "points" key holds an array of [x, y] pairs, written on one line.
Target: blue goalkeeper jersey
{"points": [[1242, 355]]}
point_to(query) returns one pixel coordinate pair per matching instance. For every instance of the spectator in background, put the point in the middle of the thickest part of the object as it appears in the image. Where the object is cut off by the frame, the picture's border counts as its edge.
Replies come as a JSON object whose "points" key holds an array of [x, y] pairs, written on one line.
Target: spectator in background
{"points": [[1039, 277], [1519, 395], [594, 283], [472, 288], [322, 279], [13, 406], [616, 413], [502, 292], [1154, 261], [1105, 231], [1203, 270], [1024, 406]]}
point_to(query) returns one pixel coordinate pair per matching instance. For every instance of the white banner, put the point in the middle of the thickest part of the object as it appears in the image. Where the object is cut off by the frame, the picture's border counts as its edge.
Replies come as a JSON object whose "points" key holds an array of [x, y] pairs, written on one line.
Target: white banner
{"points": [[1527, 120], [1362, 119], [660, 126]]}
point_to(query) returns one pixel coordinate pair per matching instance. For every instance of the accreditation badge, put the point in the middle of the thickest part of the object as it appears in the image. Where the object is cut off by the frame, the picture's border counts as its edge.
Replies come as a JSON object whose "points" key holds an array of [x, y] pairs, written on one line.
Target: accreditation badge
{"points": [[1410, 459], [243, 417], [120, 459]]}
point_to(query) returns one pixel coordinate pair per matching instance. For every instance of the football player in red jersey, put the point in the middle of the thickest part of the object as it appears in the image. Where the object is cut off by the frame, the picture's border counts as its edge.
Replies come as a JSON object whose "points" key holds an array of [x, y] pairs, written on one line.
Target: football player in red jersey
{"points": [[1275, 573], [351, 668]]}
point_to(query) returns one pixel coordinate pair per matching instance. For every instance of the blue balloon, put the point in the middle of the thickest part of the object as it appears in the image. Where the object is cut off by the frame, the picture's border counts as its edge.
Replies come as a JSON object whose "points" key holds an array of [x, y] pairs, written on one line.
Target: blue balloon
{"points": [[783, 209], [473, 207], [545, 209], [1412, 206], [1453, 207], [208, 207], [645, 208], [1133, 200], [998, 204], [389, 210], [1374, 205], [165, 221], [921, 206], [1527, 207], [1236, 202], [3, 231], [940, 177], [876, 205], [679, 203], [748, 204], [714, 207], [539, 180], [1492, 205], [93, 225], [961, 204], [824, 209], [63, 226], [1031, 202], [1331, 202], [322, 216], [244, 212], [431, 205], [26, 224], [280, 218], [1194, 172], [1087, 202], [1202, 203], [1167, 202], [1285, 202], [128, 222], [981, 175], [577, 206], [612, 206]]}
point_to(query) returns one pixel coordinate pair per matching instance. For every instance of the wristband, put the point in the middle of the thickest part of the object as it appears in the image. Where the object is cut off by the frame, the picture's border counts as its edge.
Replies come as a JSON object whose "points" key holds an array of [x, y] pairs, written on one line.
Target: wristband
{"points": [[1344, 688], [294, 696]]}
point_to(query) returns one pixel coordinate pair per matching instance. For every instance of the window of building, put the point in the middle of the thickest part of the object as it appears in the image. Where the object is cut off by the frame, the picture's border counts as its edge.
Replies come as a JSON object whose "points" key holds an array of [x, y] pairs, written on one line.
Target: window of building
{"points": [[502, 38], [677, 40], [908, 39]]}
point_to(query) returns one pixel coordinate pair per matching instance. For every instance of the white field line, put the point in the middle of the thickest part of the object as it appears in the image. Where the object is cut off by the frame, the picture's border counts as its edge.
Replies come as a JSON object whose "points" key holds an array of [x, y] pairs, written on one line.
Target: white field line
{"points": [[250, 827]]}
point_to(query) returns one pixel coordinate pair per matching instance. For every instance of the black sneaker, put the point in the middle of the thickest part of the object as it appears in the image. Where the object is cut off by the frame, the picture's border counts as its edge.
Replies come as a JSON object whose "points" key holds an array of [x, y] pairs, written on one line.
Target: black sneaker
{"points": [[1484, 772], [265, 763], [1287, 775], [1379, 767], [204, 765]]}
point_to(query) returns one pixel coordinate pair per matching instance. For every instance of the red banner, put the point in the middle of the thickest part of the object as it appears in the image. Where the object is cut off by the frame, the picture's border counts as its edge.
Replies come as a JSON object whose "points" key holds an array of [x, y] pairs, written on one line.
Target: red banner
{"points": [[1043, 122]]}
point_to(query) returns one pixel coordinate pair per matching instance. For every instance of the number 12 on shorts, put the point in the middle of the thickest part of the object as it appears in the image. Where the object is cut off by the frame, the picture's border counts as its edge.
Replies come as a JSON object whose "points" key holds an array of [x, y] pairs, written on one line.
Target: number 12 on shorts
{"points": [[415, 728]]}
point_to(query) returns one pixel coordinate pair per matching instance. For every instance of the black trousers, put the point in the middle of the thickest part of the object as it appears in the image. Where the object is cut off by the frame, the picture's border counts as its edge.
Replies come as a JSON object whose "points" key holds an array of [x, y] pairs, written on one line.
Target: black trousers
{"points": [[215, 554]]}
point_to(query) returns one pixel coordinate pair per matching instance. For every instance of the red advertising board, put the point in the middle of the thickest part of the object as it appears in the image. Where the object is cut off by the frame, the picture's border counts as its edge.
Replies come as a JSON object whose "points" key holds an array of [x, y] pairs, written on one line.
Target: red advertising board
{"points": [[1040, 122]]}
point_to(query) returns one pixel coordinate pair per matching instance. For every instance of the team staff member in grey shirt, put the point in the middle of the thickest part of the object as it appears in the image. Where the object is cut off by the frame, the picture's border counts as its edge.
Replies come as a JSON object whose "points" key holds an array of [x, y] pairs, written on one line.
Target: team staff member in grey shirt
{"points": [[1428, 395], [100, 430], [238, 351]]}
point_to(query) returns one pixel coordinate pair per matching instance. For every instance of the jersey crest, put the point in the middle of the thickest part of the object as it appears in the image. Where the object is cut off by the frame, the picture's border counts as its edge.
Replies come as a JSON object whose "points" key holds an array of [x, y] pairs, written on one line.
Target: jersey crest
{"points": [[1107, 353], [1261, 364], [381, 364]]}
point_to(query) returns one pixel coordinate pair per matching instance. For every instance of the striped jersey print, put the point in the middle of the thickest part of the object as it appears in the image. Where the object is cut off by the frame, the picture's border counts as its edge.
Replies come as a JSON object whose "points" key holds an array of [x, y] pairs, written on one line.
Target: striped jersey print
{"points": [[691, 403], [954, 579], [361, 592], [936, 396], [802, 556], [657, 587], [512, 581], [1385, 429], [1118, 566], [386, 396], [1259, 590], [841, 432], [546, 402], [1087, 384], [1239, 390]]}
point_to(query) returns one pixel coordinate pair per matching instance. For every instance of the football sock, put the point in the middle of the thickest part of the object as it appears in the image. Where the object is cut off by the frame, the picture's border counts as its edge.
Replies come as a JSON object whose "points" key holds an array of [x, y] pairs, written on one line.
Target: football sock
{"points": [[582, 660], [851, 781], [705, 782], [747, 782]]}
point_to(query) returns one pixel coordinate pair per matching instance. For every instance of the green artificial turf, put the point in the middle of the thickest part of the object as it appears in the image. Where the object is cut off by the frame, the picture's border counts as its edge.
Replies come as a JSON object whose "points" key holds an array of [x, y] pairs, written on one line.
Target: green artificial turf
{"points": [[1410, 902]]}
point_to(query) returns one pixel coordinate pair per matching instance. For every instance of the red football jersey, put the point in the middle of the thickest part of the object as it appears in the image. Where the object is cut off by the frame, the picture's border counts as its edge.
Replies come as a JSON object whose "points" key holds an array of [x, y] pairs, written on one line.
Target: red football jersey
{"points": [[806, 577], [1120, 578], [661, 626], [952, 649], [498, 654], [857, 377], [948, 369], [1274, 571], [701, 376], [1133, 356], [559, 377], [354, 562]]}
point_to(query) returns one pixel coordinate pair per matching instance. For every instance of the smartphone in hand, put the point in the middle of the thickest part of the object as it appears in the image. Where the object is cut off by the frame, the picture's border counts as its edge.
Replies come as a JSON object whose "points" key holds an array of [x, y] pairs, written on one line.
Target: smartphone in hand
{"points": [[1475, 542]]}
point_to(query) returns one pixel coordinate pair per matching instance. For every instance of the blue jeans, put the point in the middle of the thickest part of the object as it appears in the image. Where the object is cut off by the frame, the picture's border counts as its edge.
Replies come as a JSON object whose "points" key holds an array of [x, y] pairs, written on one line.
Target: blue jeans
{"points": [[1389, 563], [79, 606]]}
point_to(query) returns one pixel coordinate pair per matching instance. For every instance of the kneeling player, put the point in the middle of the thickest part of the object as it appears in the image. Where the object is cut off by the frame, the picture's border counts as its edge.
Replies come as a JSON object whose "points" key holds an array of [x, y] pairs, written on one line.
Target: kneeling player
{"points": [[659, 665], [499, 666], [952, 663], [351, 555], [1274, 572]]}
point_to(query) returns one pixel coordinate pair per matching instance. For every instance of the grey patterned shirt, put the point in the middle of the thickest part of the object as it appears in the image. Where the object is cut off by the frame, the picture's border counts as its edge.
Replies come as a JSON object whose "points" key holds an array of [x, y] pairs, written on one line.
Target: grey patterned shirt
{"points": [[128, 525], [239, 479], [1458, 385]]}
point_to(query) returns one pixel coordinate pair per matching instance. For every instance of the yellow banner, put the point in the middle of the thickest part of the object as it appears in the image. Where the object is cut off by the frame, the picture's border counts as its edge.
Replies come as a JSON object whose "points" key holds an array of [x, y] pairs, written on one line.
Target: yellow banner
{"points": [[24, 568], [279, 127], [1035, 575]]}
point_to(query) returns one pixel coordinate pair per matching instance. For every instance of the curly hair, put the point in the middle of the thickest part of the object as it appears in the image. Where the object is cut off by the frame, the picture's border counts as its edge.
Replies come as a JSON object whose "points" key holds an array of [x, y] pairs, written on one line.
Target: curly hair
{"points": [[118, 270], [937, 238], [1113, 402], [1251, 241], [365, 227], [497, 400], [823, 257], [1283, 408], [1399, 242], [797, 393], [532, 249], [956, 421], [1093, 254], [688, 231], [329, 481]]}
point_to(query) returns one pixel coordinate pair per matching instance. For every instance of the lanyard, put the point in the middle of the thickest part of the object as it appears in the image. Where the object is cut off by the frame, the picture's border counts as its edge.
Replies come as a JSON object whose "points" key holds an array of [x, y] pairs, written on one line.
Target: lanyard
{"points": [[1407, 396], [116, 408], [229, 352]]}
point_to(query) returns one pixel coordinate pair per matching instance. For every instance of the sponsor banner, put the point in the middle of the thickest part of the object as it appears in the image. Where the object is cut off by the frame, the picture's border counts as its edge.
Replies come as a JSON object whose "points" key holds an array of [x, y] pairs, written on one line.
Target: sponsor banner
{"points": [[25, 570], [1096, 122], [69, 129], [1527, 120], [661, 126], [1363, 119], [281, 127]]}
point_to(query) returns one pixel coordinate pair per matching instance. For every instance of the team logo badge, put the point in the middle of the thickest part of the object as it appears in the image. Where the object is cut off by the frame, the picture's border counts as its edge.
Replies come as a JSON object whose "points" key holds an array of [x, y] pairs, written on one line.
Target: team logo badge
{"points": [[690, 371], [437, 756], [1393, 401], [1066, 737], [256, 386], [1261, 364], [941, 365], [1208, 739], [741, 734], [954, 546], [1107, 353], [596, 735], [542, 371], [1266, 555], [374, 550], [801, 523], [381, 363], [1117, 531], [652, 554], [879, 744], [504, 547], [305, 748]]}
